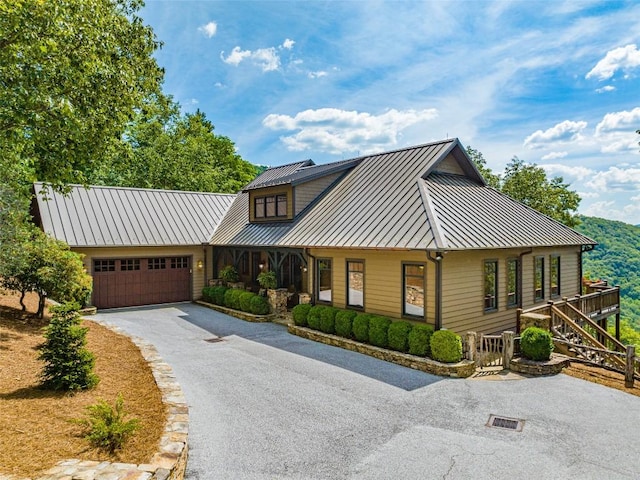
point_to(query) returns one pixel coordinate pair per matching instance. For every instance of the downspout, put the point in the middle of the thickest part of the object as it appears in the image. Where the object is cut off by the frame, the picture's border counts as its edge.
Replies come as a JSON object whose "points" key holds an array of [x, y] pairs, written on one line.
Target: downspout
{"points": [[520, 270], [204, 261], [437, 261], [310, 276]]}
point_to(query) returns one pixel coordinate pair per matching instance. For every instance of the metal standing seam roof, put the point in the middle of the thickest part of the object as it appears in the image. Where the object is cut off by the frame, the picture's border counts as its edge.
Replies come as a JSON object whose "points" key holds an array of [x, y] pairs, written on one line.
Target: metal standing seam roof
{"points": [[398, 200], [471, 216], [271, 176], [119, 216]]}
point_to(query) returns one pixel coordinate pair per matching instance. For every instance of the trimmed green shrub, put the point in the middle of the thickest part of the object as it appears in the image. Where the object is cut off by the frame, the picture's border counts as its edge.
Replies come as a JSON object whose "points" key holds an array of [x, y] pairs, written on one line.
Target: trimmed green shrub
{"points": [[344, 323], [300, 313], [420, 340], [328, 320], [207, 294], [217, 295], [106, 426], [245, 301], [361, 327], [378, 328], [398, 335], [259, 305], [446, 346], [68, 364], [536, 344], [232, 298], [313, 318]]}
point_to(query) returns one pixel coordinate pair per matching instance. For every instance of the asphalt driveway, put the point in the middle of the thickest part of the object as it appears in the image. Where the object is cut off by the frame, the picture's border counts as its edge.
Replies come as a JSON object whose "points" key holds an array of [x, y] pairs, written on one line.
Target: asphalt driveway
{"points": [[268, 405]]}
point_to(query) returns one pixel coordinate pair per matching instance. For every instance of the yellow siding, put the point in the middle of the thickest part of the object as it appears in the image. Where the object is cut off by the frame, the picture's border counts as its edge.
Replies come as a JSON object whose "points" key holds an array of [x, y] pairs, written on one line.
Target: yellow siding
{"points": [[450, 165], [382, 279], [307, 192], [463, 287], [195, 252]]}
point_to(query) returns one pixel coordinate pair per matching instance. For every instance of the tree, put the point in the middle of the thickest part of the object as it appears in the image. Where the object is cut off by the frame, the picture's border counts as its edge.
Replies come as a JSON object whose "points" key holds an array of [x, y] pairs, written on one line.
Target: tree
{"points": [[72, 71], [40, 264], [492, 179], [528, 183], [169, 150], [68, 364]]}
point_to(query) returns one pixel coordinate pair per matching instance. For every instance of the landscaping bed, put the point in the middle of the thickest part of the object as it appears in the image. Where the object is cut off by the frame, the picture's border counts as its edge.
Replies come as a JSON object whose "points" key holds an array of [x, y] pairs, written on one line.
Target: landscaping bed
{"points": [[35, 426]]}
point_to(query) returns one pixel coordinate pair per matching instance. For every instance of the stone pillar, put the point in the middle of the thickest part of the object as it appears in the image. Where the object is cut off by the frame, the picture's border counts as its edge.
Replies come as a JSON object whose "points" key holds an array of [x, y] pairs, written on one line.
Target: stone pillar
{"points": [[278, 300], [304, 298], [471, 345]]}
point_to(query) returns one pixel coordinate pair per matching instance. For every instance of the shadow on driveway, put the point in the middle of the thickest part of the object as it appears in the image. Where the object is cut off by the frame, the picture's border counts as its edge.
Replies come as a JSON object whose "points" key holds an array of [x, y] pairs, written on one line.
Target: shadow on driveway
{"points": [[276, 336]]}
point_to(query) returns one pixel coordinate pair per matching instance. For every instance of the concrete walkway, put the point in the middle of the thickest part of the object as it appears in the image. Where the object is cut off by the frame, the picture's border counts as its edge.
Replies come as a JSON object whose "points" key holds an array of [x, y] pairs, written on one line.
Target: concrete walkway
{"points": [[268, 405]]}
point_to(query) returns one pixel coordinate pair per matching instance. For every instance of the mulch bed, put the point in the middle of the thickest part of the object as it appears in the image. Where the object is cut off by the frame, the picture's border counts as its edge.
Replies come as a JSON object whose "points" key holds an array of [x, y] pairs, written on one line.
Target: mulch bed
{"points": [[35, 427]]}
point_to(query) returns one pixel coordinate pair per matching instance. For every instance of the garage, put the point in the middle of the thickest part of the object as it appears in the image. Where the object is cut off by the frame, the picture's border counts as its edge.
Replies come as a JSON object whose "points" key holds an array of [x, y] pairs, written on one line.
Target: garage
{"points": [[127, 282]]}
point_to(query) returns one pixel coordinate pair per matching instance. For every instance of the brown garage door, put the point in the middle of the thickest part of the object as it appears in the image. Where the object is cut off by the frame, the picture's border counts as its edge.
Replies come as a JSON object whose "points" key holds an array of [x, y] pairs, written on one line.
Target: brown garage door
{"points": [[141, 281]]}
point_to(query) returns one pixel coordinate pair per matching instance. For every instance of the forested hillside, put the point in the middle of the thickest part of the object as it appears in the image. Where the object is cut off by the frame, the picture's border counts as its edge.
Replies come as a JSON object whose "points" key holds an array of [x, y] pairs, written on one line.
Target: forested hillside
{"points": [[615, 259]]}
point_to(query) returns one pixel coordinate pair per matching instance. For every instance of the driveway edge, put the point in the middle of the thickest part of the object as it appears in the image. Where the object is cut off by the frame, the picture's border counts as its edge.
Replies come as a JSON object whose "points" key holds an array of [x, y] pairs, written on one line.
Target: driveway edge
{"points": [[170, 462]]}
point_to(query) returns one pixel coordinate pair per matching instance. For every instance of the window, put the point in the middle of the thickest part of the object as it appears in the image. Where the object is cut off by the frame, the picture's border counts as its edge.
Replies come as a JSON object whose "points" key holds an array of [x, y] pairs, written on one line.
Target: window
{"points": [[413, 289], [490, 285], [156, 264], [180, 262], [554, 276], [130, 264], [273, 206], [355, 283], [538, 279], [513, 286], [323, 268], [259, 207], [104, 265]]}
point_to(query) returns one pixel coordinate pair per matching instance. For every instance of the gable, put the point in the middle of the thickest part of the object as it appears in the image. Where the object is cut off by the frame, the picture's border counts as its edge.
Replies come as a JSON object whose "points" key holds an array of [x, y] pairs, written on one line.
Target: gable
{"points": [[449, 165]]}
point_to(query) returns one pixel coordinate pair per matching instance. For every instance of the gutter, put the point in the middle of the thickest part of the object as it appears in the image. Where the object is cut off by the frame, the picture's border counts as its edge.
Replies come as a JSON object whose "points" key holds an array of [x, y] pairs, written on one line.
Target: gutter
{"points": [[437, 261]]}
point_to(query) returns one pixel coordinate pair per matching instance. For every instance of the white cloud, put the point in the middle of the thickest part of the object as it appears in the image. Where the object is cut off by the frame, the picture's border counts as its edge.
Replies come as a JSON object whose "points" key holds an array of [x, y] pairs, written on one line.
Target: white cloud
{"points": [[339, 131], [568, 172], [621, 58], [566, 131], [606, 88], [554, 155], [209, 29], [589, 194], [616, 131], [616, 179], [265, 58], [288, 44], [318, 74]]}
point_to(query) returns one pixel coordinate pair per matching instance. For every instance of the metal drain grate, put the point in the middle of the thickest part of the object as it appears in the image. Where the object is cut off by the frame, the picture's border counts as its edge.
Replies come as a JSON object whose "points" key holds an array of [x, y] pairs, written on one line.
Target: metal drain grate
{"points": [[214, 340], [506, 423]]}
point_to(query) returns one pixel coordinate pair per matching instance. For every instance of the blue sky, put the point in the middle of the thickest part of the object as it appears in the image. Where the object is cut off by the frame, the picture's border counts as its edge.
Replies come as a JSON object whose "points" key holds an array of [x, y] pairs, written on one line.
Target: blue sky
{"points": [[554, 83]]}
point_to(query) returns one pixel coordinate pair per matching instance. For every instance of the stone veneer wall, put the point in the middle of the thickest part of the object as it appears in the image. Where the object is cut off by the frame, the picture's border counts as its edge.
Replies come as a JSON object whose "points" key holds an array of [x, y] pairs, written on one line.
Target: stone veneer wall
{"points": [[169, 463]]}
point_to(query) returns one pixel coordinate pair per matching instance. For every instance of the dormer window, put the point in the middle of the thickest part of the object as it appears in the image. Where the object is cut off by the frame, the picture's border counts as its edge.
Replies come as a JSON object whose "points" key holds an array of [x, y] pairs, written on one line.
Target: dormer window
{"points": [[271, 206]]}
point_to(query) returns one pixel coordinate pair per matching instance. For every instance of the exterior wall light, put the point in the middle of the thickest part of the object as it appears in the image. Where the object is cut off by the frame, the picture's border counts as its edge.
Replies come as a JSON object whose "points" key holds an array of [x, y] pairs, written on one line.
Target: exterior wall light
{"points": [[199, 264]]}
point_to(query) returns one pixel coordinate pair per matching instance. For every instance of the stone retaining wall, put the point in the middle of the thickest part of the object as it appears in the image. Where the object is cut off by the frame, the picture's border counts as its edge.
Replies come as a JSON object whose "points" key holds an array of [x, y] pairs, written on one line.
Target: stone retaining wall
{"points": [[249, 317], [169, 463], [462, 369], [552, 366]]}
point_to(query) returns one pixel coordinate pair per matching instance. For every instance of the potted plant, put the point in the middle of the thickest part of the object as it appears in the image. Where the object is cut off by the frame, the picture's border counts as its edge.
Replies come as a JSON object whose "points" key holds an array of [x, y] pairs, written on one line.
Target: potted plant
{"points": [[267, 279], [229, 275]]}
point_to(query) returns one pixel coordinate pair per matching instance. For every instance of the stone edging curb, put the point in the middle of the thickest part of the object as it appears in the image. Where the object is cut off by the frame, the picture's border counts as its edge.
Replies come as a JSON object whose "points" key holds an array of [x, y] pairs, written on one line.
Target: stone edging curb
{"points": [[248, 317], [169, 463], [462, 369]]}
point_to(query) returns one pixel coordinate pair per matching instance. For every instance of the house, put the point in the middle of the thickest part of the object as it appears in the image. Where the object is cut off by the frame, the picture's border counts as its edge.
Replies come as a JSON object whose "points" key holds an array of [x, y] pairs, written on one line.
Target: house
{"points": [[141, 246], [413, 233]]}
